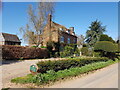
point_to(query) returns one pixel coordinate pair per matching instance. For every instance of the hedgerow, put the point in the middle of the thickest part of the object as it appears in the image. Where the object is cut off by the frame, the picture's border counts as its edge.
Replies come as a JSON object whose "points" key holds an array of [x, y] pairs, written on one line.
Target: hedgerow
{"points": [[51, 75], [45, 66]]}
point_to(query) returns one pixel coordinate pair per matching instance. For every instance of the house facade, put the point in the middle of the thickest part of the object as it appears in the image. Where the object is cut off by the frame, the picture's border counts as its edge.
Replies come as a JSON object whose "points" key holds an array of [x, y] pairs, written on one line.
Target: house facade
{"points": [[9, 39], [58, 33]]}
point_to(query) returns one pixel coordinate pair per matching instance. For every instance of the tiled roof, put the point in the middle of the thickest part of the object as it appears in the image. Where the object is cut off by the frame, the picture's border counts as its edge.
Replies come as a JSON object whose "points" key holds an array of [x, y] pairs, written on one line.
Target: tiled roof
{"points": [[10, 37]]}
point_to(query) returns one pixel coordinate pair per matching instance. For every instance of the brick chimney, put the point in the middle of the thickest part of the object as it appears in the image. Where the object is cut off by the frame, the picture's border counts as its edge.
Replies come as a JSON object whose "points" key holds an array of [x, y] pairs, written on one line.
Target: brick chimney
{"points": [[71, 30]]}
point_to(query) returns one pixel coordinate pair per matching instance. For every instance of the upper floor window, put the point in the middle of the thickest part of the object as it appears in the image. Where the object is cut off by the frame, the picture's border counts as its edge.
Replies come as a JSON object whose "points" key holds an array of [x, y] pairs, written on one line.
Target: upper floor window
{"points": [[68, 31], [61, 39], [61, 29], [68, 40]]}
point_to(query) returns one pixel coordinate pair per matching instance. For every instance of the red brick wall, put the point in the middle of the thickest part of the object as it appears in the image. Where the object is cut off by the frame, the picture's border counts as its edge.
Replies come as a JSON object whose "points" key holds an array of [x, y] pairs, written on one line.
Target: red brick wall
{"points": [[72, 38], [17, 52]]}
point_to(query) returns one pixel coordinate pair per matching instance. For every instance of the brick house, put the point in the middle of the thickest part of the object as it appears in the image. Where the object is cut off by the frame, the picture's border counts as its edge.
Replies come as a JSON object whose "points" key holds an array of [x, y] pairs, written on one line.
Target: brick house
{"points": [[9, 39], [58, 33]]}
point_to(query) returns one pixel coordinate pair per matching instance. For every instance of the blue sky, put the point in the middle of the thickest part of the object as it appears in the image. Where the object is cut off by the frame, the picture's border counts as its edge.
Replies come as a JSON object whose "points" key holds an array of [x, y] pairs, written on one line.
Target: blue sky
{"points": [[70, 14]]}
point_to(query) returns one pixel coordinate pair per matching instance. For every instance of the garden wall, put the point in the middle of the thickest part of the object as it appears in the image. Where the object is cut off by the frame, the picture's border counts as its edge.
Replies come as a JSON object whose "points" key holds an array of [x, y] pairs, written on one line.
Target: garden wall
{"points": [[21, 52]]}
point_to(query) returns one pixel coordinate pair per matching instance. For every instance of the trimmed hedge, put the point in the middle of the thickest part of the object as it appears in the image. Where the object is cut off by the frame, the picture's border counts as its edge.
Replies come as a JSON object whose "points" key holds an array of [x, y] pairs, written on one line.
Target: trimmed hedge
{"points": [[19, 52], [52, 76], [66, 64], [106, 46]]}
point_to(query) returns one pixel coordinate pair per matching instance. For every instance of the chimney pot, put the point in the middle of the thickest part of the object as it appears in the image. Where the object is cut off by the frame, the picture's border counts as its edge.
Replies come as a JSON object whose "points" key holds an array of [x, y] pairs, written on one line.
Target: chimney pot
{"points": [[71, 28]]}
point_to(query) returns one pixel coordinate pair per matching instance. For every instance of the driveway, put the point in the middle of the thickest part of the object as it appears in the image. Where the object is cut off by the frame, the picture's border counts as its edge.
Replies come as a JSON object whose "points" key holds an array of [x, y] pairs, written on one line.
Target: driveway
{"points": [[16, 69]]}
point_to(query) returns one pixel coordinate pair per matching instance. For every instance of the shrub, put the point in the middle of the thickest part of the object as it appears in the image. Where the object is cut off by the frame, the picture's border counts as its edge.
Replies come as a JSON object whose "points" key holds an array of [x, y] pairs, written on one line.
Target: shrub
{"points": [[51, 75], [43, 47], [84, 51], [68, 51], [53, 48], [77, 51], [66, 64], [106, 48], [105, 37], [19, 52]]}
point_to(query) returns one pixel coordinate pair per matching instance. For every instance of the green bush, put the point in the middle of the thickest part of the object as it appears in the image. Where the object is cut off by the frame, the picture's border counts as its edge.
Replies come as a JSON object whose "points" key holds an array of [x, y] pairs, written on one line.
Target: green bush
{"points": [[84, 51], [51, 75], [66, 64], [105, 37], [106, 48], [68, 51], [43, 47], [97, 54]]}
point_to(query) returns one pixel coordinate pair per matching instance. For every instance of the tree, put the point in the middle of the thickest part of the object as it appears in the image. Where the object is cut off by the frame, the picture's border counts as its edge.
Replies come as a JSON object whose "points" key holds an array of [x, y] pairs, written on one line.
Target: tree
{"points": [[68, 51], [105, 37], [93, 33], [80, 40], [38, 17]]}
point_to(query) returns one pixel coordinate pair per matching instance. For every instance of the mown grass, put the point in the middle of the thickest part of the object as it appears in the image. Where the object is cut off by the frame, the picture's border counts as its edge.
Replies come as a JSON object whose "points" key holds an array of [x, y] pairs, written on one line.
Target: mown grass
{"points": [[52, 76]]}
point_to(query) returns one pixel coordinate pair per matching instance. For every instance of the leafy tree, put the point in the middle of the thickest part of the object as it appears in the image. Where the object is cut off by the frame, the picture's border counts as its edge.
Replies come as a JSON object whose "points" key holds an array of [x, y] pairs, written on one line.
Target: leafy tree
{"points": [[53, 48], [93, 33], [106, 48], [105, 37], [68, 51], [38, 17]]}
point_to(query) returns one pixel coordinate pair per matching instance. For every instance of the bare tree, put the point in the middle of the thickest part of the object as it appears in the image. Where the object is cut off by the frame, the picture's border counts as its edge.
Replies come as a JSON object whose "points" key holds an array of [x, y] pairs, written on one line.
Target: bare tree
{"points": [[80, 40], [38, 17]]}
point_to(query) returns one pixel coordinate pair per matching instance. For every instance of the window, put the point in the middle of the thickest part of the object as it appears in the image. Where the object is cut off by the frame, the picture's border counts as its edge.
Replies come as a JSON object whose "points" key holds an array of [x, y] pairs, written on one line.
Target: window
{"points": [[74, 40], [61, 29], [61, 39], [68, 40]]}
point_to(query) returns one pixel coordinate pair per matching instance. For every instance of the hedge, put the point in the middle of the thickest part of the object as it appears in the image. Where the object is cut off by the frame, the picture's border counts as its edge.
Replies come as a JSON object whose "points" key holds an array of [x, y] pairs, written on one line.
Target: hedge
{"points": [[106, 46], [52, 76], [66, 64], [20, 52]]}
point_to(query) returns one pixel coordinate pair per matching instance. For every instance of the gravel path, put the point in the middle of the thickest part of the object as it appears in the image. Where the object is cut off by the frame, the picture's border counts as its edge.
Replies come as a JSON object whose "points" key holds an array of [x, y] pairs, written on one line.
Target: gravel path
{"points": [[18, 69]]}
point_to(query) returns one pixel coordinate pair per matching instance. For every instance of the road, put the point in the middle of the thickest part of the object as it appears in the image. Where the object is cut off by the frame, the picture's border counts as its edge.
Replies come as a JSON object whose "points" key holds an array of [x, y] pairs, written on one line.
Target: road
{"points": [[104, 78]]}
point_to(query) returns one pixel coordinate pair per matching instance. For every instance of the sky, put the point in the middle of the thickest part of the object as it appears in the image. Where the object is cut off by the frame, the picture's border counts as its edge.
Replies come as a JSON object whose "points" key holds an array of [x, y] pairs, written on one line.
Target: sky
{"points": [[70, 14]]}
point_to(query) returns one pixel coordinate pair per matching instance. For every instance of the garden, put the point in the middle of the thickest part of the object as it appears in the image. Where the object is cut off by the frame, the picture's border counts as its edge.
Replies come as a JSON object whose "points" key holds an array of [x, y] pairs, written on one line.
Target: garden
{"points": [[98, 51]]}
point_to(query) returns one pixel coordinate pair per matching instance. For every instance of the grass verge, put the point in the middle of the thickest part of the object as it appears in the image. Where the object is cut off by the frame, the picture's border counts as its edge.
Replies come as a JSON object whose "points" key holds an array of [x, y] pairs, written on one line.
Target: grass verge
{"points": [[52, 76]]}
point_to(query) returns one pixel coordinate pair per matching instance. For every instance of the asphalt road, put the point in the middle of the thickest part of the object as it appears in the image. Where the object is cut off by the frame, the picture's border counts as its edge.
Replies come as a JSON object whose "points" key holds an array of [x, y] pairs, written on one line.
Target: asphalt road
{"points": [[104, 78]]}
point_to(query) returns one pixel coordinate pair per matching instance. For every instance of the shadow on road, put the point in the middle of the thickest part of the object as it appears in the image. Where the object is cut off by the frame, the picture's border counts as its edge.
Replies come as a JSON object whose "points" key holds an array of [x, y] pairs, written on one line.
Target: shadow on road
{"points": [[3, 62]]}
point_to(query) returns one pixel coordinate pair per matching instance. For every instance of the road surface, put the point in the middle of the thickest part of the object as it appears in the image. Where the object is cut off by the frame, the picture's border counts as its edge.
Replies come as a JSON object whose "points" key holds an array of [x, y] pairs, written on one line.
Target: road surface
{"points": [[16, 69], [104, 78]]}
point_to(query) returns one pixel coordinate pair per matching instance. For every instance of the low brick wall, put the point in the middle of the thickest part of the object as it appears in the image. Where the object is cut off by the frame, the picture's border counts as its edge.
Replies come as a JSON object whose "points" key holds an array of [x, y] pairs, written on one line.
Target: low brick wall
{"points": [[21, 52]]}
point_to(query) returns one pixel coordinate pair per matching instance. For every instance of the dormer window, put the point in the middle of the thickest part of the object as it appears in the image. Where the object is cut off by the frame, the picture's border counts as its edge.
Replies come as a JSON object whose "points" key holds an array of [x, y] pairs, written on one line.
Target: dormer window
{"points": [[73, 33], [68, 31], [61, 29]]}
